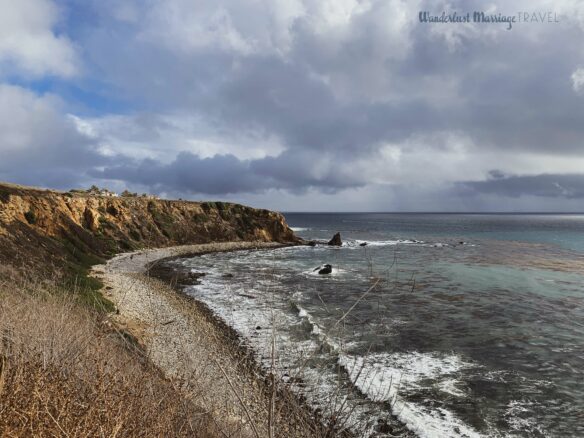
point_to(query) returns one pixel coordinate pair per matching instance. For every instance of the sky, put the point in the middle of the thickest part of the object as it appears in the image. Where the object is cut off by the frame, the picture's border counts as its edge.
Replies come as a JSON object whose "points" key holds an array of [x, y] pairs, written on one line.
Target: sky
{"points": [[298, 105]]}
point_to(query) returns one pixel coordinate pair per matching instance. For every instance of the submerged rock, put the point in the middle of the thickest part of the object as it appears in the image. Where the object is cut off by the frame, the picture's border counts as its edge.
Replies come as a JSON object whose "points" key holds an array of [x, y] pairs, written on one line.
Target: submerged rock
{"points": [[189, 278], [324, 270], [336, 240]]}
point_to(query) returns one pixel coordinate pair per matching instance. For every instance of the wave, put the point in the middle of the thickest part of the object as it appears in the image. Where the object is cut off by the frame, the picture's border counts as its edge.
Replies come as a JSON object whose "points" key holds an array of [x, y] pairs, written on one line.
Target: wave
{"points": [[384, 377], [519, 416], [299, 229], [317, 330], [387, 242], [303, 313]]}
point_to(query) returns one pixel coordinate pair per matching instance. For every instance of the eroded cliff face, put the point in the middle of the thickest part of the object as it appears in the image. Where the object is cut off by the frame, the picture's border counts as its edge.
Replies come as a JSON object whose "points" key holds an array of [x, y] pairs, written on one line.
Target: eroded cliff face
{"points": [[54, 229]]}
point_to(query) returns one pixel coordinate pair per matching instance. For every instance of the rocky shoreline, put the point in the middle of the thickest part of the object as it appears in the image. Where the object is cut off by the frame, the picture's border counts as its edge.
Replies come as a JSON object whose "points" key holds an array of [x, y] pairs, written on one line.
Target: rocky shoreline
{"points": [[193, 347]]}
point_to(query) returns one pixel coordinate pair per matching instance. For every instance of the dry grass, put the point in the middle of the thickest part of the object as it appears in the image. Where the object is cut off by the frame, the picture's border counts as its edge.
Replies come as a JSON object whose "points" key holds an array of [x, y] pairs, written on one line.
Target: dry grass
{"points": [[65, 372]]}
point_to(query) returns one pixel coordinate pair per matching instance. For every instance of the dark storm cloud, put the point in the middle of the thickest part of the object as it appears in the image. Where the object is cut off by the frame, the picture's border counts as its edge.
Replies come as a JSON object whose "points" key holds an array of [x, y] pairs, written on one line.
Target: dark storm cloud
{"points": [[570, 186], [189, 173], [303, 169], [285, 99], [226, 174]]}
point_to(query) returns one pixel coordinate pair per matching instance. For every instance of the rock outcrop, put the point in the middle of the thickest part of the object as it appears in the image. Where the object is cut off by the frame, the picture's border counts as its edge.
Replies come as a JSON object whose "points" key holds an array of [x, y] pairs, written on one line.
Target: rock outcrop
{"points": [[49, 229], [336, 240]]}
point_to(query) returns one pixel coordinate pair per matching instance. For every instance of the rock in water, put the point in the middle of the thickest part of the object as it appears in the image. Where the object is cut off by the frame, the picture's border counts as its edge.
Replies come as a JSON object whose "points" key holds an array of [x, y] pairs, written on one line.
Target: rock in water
{"points": [[363, 244], [326, 269], [336, 240]]}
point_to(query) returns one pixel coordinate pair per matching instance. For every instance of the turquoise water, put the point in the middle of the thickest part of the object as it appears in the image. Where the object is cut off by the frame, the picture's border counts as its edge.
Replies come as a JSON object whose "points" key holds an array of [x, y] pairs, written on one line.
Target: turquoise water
{"points": [[442, 325]]}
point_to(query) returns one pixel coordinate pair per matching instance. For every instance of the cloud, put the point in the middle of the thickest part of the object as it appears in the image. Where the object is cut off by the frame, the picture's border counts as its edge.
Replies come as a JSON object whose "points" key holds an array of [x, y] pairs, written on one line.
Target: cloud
{"points": [[570, 186], [226, 174], [189, 173], [28, 42], [40, 144], [347, 75], [578, 80], [160, 136], [280, 100]]}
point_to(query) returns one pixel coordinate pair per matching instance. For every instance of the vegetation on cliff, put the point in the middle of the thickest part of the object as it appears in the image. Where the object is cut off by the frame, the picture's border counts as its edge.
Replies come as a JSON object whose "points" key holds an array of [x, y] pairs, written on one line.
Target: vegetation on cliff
{"points": [[52, 234]]}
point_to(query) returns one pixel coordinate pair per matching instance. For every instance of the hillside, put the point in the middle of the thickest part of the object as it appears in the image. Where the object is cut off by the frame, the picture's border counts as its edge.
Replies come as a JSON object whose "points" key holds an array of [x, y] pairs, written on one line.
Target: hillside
{"points": [[61, 234]]}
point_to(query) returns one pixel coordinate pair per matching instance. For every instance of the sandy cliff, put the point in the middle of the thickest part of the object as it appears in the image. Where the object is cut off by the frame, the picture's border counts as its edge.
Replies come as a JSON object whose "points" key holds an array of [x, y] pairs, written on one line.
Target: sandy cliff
{"points": [[49, 230]]}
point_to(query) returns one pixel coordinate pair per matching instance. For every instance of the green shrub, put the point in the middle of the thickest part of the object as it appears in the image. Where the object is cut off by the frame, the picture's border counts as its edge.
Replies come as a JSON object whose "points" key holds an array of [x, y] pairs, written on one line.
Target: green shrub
{"points": [[200, 218], [134, 234], [30, 217], [4, 195]]}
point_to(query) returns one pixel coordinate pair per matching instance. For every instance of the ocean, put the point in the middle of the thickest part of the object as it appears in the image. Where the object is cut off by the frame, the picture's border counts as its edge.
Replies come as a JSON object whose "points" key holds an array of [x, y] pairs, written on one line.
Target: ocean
{"points": [[442, 325]]}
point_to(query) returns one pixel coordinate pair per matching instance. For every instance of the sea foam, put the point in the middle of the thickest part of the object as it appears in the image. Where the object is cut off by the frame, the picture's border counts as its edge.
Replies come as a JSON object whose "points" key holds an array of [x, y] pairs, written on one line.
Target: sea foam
{"points": [[388, 377]]}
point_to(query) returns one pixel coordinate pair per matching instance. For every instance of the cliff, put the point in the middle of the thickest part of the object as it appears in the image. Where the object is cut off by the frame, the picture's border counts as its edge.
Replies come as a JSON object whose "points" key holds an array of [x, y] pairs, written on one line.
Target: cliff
{"points": [[56, 232]]}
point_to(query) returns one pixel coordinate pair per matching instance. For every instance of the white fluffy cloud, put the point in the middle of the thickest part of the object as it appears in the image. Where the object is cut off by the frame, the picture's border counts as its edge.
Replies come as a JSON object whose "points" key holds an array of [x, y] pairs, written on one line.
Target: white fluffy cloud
{"points": [[162, 136], [241, 28], [28, 43]]}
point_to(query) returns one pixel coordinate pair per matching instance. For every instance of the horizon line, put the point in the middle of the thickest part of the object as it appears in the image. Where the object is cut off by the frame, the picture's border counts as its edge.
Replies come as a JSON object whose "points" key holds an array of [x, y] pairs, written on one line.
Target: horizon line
{"points": [[442, 212]]}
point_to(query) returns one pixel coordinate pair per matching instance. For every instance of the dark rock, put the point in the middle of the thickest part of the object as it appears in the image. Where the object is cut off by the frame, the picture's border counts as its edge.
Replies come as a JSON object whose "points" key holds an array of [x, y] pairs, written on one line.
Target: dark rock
{"points": [[259, 327], [326, 269], [383, 427], [180, 278], [191, 278], [228, 275], [311, 243], [336, 240], [363, 244]]}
